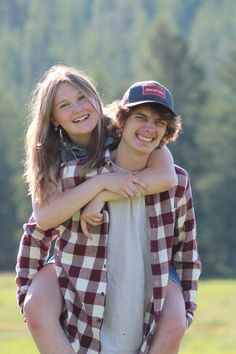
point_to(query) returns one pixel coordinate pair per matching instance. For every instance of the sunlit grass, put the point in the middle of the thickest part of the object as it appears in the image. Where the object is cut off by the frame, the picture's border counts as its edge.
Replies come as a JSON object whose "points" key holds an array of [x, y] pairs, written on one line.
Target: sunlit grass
{"points": [[214, 327], [213, 330], [14, 335]]}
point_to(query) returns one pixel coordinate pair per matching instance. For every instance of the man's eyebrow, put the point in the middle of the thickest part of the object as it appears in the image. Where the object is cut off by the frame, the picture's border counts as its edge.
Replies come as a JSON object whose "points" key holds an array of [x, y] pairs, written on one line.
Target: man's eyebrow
{"points": [[145, 115], [142, 114]]}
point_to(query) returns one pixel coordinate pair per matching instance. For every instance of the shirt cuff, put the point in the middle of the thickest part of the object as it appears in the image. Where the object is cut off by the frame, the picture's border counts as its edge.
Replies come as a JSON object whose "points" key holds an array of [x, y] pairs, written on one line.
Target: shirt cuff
{"points": [[189, 319]]}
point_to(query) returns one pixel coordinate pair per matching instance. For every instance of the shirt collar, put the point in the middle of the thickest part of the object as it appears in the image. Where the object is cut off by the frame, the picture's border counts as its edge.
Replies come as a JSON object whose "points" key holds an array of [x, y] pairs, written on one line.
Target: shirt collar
{"points": [[70, 151]]}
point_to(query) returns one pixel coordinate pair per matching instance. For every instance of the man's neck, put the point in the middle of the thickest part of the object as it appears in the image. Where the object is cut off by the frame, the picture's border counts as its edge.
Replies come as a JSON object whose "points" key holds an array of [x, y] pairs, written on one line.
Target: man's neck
{"points": [[128, 160]]}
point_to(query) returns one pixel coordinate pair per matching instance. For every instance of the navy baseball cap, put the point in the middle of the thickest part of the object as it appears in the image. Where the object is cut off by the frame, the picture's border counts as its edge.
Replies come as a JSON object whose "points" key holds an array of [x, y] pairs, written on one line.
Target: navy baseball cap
{"points": [[148, 91]]}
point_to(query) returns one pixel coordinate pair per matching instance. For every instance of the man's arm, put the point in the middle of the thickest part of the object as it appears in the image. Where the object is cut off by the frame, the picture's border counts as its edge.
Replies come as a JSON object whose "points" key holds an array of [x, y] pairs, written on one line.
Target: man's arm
{"points": [[185, 252], [160, 173]]}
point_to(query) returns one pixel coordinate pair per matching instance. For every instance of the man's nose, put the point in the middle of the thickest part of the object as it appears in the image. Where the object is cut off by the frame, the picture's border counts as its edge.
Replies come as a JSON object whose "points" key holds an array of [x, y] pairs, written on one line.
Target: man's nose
{"points": [[150, 125]]}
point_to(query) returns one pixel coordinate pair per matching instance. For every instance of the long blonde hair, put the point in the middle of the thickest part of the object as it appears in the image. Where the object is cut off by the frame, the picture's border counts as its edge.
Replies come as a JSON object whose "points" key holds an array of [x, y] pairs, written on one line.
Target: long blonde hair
{"points": [[42, 142]]}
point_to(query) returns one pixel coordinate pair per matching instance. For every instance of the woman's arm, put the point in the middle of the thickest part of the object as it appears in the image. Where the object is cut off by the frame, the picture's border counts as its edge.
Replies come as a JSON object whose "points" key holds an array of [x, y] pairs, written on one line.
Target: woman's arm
{"points": [[62, 206], [160, 172], [92, 213], [157, 177]]}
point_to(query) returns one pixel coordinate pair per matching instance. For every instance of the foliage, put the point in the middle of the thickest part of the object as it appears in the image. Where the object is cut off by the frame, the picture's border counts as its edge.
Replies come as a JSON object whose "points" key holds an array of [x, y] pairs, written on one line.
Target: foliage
{"points": [[217, 185], [9, 159], [178, 70], [117, 43]]}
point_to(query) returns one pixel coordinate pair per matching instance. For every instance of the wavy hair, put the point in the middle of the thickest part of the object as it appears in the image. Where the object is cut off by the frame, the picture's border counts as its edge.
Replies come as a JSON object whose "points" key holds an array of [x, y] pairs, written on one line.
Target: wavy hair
{"points": [[42, 143], [119, 114]]}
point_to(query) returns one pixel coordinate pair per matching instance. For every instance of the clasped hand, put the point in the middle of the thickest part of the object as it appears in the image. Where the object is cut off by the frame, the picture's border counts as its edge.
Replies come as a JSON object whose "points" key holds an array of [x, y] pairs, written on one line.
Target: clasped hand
{"points": [[92, 215], [116, 186]]}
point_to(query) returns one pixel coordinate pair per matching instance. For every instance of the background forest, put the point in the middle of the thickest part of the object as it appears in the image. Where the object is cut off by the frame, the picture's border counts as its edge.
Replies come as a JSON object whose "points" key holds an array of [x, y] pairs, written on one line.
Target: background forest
{"points": [[190, 46]]}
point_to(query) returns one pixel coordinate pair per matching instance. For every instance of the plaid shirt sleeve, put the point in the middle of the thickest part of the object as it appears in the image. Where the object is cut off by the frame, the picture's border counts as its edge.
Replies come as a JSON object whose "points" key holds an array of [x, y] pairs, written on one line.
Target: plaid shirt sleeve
{"points": [[33, 252], [185, 253]]}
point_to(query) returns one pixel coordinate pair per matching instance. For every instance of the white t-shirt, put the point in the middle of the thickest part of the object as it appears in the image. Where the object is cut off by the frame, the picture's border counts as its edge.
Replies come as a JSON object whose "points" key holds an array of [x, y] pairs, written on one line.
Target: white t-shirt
{"points": [[129, 287]]}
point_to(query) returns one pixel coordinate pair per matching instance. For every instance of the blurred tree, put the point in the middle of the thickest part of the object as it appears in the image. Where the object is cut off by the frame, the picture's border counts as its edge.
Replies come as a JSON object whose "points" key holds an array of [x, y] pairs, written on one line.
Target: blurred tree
{"points": [[9, 161], [117, 43], [217, 184], [211, 34], [167, 59]]}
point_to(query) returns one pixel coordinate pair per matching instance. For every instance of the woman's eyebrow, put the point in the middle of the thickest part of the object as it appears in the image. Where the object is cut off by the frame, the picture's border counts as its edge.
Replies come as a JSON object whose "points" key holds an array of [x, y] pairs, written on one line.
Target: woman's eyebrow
{"points": [[61, 101]]}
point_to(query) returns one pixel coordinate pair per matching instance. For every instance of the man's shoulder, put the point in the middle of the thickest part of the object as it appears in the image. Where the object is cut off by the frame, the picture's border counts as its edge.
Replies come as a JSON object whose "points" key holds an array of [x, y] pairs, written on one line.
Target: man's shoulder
{"points": [[180, 171], [183, 178]]}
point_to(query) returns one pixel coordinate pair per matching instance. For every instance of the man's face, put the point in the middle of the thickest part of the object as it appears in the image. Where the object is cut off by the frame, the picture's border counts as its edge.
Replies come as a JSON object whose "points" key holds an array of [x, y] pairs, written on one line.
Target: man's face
{"points": [[143, 131]]}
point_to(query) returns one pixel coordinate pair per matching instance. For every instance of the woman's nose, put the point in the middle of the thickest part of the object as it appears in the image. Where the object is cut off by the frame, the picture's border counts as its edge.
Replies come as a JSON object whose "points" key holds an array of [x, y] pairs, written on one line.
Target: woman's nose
{"points": [[77, 106]]}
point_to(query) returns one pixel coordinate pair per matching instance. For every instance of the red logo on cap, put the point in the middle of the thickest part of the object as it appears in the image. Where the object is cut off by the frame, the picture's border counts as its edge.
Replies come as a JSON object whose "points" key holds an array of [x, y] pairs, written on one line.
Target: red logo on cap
{"points": [[154, 90]]}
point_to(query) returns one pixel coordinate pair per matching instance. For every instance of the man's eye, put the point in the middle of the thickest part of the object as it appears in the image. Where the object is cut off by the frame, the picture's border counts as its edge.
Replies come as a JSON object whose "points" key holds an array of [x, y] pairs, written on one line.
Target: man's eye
{"points": [[81, 98], [161, 122], [141, 117]]}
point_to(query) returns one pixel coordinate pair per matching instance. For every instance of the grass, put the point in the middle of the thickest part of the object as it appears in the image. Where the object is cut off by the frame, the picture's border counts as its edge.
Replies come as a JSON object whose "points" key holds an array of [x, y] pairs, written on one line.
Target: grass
{"points": [[213, 330], [214, 327], [14, 335]]}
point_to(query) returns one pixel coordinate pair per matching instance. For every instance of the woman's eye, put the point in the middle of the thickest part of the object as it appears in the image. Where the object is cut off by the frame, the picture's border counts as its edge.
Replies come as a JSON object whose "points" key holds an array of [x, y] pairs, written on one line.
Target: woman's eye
{"points": [[64, 105]]}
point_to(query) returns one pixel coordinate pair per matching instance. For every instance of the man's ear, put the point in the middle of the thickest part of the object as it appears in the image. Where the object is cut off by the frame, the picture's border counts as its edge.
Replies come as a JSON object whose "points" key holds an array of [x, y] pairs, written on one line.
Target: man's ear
{"points": [[122, 124]]}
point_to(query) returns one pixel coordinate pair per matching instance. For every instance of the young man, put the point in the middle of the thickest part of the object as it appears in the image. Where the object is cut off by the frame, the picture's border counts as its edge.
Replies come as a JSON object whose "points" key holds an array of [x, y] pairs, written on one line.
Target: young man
{"points": [[146, 236]]}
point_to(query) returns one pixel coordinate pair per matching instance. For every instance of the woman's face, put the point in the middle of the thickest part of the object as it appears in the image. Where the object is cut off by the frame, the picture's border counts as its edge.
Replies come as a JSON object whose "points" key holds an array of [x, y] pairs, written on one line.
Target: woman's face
{"points": [[74, 113]]}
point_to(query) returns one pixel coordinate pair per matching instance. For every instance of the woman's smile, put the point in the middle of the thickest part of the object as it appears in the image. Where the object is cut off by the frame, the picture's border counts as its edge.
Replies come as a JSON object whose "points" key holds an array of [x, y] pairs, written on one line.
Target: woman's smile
{"points": [[73, 111]]}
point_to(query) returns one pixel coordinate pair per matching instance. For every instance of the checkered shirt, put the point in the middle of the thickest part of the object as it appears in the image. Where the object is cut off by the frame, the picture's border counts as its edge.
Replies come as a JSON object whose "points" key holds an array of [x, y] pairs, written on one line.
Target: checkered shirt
{"points": [[81, 263]]}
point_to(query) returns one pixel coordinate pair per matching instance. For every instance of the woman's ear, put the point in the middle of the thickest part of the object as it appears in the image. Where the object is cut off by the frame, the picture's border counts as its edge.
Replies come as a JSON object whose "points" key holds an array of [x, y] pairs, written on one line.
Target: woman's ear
{"points": [[53, 121], [55, 124]]}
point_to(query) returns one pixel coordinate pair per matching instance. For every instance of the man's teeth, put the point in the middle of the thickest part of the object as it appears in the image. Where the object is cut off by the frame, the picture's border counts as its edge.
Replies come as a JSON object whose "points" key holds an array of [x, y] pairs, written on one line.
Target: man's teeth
{"points": [[80, 119], [144, 138]]}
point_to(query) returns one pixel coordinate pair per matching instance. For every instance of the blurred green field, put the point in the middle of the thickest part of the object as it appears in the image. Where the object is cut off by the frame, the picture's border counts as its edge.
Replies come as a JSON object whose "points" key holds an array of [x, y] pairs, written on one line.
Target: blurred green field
{"points": [[213, 331]]}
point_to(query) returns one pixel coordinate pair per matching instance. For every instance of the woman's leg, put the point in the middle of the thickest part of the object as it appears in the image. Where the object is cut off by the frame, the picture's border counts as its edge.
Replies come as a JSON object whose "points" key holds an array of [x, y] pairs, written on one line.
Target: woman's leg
{"points": [[172, 324], [42, 309]]}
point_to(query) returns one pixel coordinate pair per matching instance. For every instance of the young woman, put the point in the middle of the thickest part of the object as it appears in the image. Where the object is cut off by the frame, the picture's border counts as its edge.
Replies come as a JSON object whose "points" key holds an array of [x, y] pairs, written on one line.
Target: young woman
{"points": [[68, 131]]}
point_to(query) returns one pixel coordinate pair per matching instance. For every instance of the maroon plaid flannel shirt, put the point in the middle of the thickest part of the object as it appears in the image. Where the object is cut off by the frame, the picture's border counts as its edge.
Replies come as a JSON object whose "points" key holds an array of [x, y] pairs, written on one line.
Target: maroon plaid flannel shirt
{"points": [[81, 263]]}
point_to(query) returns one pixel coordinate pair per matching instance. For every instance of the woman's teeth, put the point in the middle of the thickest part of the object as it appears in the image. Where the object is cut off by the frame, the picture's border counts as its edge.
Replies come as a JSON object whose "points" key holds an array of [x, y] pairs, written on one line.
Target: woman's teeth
{"points": [[80, 119]]}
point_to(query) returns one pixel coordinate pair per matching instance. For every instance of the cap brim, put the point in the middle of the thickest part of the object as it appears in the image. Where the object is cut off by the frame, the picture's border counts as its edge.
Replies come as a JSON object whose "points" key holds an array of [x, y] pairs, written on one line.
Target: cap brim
{"points": [[132, 104]]}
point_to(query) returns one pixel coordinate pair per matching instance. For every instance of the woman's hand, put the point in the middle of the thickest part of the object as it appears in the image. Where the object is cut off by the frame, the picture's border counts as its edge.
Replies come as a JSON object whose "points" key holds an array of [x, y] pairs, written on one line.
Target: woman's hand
{"points": [[92, 215], [128, 185]]}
